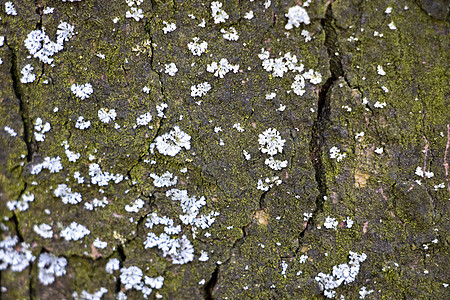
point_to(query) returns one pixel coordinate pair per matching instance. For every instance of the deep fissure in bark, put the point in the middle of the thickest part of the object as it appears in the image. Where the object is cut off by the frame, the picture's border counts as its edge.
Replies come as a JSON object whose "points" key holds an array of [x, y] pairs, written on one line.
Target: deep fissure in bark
{"points": [[122, 258], [15, 221], [323, 111], [24, 112], [209, 286]]}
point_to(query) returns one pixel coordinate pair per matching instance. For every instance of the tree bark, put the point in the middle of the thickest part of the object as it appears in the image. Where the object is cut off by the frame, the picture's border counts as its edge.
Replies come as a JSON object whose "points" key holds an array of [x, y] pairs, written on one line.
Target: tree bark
{"points": [[366, 148]]}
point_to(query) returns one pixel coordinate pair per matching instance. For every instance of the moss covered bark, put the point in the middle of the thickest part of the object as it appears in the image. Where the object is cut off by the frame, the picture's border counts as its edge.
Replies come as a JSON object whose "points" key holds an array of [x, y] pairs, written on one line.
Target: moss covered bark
{"points": [[265, 244]]}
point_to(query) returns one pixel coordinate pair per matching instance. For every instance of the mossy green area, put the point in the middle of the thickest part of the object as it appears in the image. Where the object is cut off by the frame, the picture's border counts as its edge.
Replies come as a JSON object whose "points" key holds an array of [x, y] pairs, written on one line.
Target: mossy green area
{"points": [[382, 102]]}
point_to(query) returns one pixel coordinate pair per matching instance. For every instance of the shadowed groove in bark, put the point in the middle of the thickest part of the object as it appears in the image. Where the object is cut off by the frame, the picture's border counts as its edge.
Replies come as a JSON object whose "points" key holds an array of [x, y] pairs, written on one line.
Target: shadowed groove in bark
{"points": [[262, 199], [15, 221], [433, 9], [30, 283], [151, 62], [122, 258], [316, 146], [161, 120], [209, 286], [24, 112]]}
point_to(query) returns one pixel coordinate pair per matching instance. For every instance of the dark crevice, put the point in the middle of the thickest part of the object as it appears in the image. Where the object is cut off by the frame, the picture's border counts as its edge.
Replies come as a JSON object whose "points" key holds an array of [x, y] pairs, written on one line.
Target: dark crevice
{"points": [[237, 243], [323, 110], [162, 90], [331, 43], [30, 283], [40, 11], [262, 199], [240, 240], [141, 157], [274, 19], [16, 227], [122, 258], [433, 13], [301, 235], [141, 219], [316, 146], [209, 286], [24, 111], [153, 4], [124, 69], [152, 49], [174, 6], [121, 253]]}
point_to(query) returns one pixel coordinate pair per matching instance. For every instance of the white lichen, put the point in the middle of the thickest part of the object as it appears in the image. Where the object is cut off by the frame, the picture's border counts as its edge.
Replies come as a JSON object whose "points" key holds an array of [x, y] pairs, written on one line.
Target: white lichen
{"points": [[22, 204], [53, 164], [222, 68], [197, 47], [101, 178], [296, 15], [341, 274], [10, 131], [143, 120], [313, 76], [99, 244], [43, 230], [50, 266], [27, 74], [230, 34], [165, 180], [10, 9], [275, 164], [82, 91], [330, 223], [380, 70], [218, 14], [335, 153], [271, 142], [171, 69], [81, 124], [200, 89], [112, 265], [172, 142], [74, 232], [106, 115], [249, 15], [40, 129], [16, 258], [135, 13], [67, 196], [135, 206], [268, 183], [169, 27], [298, 86]]}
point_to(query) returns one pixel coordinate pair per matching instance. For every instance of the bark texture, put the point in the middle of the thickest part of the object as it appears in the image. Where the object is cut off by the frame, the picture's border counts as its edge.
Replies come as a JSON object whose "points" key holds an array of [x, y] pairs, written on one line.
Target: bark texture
{"points": [[264, 244]]}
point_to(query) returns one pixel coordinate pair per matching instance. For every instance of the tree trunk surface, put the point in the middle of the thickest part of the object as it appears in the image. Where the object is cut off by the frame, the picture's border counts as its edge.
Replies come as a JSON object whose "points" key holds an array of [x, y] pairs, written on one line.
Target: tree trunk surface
{"points": [[173, 149]]}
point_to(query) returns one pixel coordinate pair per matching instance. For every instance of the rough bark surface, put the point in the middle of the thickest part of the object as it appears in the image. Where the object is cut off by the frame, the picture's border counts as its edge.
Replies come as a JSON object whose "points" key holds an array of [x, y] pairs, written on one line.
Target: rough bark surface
{"points": [[265, 244]]}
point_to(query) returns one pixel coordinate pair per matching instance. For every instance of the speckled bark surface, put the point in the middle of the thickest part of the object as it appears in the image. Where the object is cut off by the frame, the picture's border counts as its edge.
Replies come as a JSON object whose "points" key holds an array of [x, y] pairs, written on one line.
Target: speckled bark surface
{"points": [[401, 219]]}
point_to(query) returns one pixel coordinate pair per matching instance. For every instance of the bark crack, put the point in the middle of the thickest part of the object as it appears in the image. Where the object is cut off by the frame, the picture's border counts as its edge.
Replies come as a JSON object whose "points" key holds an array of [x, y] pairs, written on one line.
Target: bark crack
{"points": [[162, 90], [152, 49], [15, 221], [445, 164], [122, 258], [209, 286], [316, 146], [30, 283], [23, 106]]}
